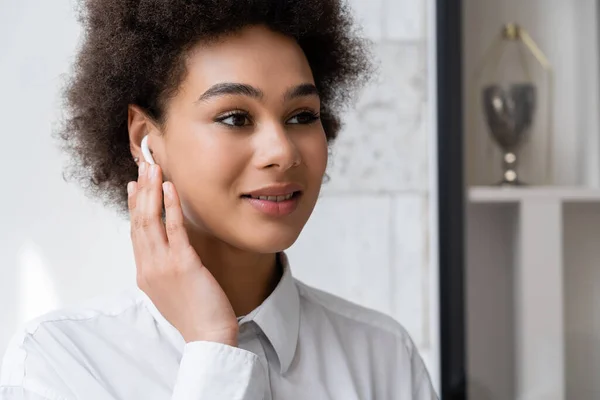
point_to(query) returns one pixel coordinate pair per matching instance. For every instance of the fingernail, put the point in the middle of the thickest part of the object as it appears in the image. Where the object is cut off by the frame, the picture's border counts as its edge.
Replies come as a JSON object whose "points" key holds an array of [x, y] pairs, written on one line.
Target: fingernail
{"points": [[129, 188], [166, 188], [142, 168]]}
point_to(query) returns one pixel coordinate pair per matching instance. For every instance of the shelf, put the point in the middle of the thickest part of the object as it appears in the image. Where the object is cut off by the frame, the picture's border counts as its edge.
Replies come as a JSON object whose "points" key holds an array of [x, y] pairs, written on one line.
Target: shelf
{"points": [[496, 194], [532, 276]]}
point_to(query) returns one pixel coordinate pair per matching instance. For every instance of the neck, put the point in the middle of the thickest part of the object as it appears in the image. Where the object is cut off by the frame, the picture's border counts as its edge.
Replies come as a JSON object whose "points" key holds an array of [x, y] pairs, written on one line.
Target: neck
{"points": [[247, 278]]}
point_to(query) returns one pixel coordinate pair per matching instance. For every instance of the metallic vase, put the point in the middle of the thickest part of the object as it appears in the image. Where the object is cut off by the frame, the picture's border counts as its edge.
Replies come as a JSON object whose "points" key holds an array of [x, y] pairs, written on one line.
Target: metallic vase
{"points": [[509, 115]]}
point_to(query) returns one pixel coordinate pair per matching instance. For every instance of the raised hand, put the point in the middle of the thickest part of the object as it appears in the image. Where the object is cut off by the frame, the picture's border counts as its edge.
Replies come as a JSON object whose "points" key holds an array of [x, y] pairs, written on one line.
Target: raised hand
{"points": [[169, 270]]}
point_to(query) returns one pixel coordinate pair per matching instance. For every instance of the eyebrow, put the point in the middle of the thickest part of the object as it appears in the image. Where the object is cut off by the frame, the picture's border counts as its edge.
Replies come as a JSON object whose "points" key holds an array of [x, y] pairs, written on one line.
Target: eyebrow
{"points": [[305, 89], [242, 89]]}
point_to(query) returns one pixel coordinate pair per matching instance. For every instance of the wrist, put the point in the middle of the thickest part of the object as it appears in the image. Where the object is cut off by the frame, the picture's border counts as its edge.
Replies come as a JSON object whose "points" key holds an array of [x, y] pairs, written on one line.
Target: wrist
{"points": [[227, 338]]}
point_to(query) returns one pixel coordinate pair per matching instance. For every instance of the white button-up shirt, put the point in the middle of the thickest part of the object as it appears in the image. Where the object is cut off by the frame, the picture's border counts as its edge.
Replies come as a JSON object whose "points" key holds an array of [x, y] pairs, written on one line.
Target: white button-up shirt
{"points": [[301, 343]]}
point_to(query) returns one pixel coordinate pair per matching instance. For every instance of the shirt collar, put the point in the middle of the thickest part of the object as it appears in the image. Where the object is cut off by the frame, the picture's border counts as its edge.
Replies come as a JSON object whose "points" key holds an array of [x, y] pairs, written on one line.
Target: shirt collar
{"points": [[279, 316]]}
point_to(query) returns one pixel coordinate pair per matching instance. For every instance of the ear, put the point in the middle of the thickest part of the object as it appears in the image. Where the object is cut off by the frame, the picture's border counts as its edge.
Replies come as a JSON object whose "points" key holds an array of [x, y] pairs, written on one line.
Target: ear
{"points": [[139, 125]]}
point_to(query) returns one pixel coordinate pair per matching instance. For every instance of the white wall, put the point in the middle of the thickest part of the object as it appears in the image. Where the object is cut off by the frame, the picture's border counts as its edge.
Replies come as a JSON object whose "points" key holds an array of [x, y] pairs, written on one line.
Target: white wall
{"points": [[371, 239], [56, 247]]}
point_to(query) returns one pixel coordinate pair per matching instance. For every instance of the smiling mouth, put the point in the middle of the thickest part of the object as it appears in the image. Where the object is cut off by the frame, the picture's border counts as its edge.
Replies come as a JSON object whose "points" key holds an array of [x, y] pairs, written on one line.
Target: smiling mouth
{"points": [[275, 199]]}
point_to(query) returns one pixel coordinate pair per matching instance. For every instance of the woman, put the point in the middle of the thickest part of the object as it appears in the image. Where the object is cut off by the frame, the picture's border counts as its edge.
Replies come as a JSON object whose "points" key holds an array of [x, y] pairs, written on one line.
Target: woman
{"points": [[239, 100]]}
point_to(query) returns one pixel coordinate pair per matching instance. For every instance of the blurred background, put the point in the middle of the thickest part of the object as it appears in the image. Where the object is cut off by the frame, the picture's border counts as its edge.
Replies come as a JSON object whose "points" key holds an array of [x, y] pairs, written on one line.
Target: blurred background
{"points": [[498, 285], [532, 261]]}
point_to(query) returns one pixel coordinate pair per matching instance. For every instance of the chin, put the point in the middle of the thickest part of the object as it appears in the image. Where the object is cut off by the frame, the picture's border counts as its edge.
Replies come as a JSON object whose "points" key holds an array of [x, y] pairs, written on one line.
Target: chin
{"points": [[274, 245], [269, 242]]}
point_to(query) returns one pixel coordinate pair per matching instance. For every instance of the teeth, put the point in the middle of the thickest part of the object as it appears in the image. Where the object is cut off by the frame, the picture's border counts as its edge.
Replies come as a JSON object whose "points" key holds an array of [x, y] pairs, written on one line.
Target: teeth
{"points": [[274, 198]]}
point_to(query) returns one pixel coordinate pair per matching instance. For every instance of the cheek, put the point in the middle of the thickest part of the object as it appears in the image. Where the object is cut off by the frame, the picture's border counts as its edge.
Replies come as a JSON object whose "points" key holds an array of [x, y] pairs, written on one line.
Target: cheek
{"points": [[206, 188], [205, 170], [315, 153], [210, 175], [201, 153]]}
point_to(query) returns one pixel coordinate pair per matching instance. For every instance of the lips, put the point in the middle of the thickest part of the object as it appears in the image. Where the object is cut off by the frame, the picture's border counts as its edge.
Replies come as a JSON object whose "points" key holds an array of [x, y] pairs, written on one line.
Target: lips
{"points": [[277, 192], [276, 200], [273, 198]]}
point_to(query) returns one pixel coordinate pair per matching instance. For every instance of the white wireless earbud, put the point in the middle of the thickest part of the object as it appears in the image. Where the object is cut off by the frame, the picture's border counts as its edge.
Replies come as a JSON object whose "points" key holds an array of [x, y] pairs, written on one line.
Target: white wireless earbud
{"points": [[146, 151]]}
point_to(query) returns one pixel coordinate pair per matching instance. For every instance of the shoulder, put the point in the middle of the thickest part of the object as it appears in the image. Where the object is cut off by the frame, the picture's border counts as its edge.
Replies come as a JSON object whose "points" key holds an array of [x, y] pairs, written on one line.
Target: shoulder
{"points": [[89, 310], [54, 334], [376, 339], [355, 318]]}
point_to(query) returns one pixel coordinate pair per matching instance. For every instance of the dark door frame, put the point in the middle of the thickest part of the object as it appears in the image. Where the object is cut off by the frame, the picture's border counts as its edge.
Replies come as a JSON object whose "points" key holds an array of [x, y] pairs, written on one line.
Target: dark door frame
{"points": [[451, 193]]}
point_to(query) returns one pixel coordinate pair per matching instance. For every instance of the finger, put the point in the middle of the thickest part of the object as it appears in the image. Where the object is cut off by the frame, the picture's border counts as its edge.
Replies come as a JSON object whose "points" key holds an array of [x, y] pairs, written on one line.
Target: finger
{"points": [[131, 191], [148, 227], [139, 196], [143, 182], [176, 233], [142, 171], [154, 196]]}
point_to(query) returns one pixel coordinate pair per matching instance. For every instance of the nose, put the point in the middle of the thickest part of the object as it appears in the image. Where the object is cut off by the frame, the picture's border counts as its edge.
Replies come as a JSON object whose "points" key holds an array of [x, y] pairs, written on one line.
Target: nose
{"points": [[276, 148]]}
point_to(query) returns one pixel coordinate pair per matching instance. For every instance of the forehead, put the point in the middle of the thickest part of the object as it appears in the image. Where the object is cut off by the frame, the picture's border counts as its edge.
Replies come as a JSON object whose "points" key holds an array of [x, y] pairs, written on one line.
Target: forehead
{"points": [[255, 55]]}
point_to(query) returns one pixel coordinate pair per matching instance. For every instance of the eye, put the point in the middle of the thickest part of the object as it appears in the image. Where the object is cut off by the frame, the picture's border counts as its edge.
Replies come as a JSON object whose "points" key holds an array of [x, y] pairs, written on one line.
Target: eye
{"points": [[235, 119], [304, 118]]}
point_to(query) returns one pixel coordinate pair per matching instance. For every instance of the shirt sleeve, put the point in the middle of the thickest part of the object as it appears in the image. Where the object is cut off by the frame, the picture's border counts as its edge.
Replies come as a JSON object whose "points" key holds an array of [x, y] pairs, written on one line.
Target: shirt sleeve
{"points": [[207, 371], [423, 389], [214, 371], [18, 393]]}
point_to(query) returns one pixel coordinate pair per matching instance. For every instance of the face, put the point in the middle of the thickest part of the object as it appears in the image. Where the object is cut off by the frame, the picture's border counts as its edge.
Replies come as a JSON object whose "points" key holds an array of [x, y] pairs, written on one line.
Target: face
{"points": [[243, 143]]}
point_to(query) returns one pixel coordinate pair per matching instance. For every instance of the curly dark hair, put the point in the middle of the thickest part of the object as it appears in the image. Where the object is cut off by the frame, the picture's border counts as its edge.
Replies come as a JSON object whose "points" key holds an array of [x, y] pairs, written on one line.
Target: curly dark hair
{"points": [[133, 53]]}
